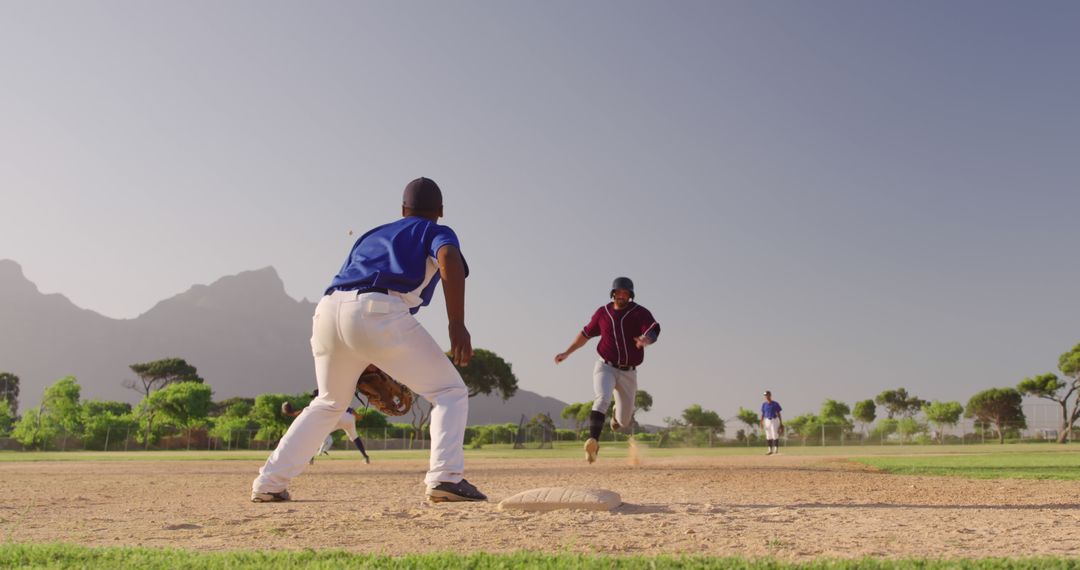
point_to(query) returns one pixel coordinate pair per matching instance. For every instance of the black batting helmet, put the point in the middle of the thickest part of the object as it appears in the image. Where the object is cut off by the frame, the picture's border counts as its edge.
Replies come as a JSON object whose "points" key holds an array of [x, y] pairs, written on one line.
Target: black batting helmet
{"points": [[622, 283]]}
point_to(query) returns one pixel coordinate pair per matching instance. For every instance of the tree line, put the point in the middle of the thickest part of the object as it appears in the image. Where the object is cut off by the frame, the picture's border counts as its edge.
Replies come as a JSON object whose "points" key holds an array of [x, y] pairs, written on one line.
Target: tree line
{"points": [[174, 397]]}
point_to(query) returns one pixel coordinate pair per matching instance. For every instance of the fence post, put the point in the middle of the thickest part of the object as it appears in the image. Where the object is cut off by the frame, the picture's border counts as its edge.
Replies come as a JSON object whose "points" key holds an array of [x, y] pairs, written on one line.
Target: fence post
{"points": [[127, 438], [108, 430], [822, 435]]}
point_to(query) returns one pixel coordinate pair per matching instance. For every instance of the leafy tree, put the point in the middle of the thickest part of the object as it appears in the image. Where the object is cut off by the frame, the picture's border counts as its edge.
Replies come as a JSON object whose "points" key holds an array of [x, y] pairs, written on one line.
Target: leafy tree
{"points": [[999, 406], [805, 426], [943, 415], [9, 391], [899, 403], [835, 413], [884, 428], [865, 412], [370, 418], [105, 422], [487, 372], [1050, 387], [160, 373], [183, 404], [7, 419], [223, 407], [60, 405], [908, 427], [234, 420], [59, 413], [696, 417], [578, 413], [750, 418], [267, 414], [32, 430]]}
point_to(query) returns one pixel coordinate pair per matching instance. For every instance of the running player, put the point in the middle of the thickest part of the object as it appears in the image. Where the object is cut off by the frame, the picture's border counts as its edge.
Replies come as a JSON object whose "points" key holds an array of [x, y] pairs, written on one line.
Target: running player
{"points": [[625, 329]]}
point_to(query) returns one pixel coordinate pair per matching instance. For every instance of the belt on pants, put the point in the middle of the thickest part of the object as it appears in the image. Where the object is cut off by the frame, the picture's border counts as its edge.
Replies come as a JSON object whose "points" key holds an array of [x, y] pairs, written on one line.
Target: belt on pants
{"points": [[617, 367], [364, 289]]}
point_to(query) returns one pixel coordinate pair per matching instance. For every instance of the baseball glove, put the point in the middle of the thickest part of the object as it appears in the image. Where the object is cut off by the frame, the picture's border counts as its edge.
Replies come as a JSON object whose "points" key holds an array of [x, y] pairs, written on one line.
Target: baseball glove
{"points": [[287, 409], [383, 392], [780, 430]]}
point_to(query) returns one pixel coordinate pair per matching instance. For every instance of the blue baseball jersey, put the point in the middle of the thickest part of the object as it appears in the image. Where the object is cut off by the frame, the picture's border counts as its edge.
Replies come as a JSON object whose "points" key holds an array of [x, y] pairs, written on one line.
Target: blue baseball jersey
{"points": [[769, 410], [400, 257]]}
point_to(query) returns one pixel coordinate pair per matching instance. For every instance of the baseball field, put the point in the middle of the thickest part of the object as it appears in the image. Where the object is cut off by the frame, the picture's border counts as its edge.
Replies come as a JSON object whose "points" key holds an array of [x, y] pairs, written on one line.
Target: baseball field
{"points": [[979, 506]]}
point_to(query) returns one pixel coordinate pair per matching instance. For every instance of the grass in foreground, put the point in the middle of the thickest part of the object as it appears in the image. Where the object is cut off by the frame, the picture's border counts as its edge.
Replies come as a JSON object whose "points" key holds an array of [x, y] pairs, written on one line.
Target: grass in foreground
{"points": [[63, 556], [1046, 464]]}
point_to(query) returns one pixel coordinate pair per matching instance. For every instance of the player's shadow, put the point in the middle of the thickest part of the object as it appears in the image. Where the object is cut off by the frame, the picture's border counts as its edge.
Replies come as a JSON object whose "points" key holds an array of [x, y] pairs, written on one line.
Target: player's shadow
{"points": [[632, 509]]}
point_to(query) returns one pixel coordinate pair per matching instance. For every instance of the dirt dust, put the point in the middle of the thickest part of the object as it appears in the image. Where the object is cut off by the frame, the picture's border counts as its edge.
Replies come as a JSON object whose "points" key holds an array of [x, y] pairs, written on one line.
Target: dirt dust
{"points": [[788, 506]]}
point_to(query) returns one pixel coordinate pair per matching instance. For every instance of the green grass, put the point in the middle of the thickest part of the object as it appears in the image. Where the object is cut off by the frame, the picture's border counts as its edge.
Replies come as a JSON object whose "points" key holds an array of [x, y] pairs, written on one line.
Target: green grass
{"points": [[62, 556], [1054, 463]]}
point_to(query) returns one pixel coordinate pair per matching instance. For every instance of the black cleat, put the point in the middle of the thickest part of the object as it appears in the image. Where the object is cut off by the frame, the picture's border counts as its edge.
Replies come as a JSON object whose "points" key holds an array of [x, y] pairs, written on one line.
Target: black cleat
{"points": [[455, 492], [270, 497]]}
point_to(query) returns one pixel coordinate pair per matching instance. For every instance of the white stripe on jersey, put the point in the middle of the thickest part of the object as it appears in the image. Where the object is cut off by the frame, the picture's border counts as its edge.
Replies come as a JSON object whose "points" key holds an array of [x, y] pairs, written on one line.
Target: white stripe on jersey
{"points": [[625, 346], [616, 332]]}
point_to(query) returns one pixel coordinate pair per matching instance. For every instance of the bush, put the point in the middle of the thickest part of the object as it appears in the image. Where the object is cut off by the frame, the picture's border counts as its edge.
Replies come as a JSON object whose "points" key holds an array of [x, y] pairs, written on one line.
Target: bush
{"points": [[566, 435], [106, 429]]}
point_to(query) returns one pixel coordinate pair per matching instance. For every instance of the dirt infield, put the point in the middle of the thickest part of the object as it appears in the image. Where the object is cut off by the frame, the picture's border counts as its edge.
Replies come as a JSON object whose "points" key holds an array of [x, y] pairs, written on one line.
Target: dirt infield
{"points": [[792, 507]]}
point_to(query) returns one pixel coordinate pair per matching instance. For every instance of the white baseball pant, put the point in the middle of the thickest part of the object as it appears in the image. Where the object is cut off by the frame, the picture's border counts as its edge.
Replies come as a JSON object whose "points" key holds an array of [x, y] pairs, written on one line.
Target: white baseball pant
{"points": [[608, 379], [350, 331], [347, 422], [772, 428]]}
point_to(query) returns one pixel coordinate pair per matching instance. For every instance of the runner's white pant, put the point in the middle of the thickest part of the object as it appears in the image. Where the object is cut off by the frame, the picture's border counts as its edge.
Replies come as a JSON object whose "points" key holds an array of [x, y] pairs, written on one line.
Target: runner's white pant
{"points": [[347, 422], [608, 379], [772, 428], [327, 444], [348, 332]]}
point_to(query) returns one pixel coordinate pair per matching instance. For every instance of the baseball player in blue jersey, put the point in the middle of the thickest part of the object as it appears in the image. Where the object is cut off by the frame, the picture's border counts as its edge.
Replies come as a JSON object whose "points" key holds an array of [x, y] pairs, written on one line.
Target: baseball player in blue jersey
{"points": [[366, 318], [771, 422], [625, 329]]}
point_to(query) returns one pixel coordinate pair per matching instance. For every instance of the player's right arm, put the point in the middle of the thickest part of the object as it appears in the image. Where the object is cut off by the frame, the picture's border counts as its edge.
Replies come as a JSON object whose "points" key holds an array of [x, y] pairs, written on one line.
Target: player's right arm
{"points": [[452, 272], [579, 341]]}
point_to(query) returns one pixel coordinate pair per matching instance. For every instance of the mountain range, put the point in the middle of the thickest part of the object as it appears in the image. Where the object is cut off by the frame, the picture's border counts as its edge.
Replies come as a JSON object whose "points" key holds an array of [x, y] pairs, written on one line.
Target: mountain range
{"points": [[244, 334]]}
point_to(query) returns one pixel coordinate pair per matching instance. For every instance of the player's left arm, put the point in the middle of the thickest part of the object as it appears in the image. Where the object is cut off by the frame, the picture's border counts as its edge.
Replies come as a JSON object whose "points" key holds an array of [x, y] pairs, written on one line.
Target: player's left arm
{"points": [[452, 270], [650, 332]]}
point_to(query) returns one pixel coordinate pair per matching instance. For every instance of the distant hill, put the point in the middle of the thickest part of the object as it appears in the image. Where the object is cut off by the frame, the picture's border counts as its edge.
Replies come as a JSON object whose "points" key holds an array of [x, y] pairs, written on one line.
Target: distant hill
{"points": [[245, 335]]}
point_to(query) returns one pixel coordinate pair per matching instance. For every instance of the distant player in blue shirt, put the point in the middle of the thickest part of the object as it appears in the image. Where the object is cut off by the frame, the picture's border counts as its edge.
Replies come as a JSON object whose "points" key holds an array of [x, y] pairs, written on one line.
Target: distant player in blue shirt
{"points": [[366, 318], [771, 422]]}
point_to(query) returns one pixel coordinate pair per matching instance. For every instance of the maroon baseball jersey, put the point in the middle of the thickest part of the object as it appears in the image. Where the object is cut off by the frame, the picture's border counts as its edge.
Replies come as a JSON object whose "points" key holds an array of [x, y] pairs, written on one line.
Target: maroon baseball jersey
{"points": [[617, 330]]}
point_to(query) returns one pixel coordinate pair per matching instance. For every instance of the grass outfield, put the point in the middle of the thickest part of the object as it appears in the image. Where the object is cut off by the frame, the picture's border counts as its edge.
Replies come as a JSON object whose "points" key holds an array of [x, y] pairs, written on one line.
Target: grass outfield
{"points": [[1059, 464], [60, 556]]}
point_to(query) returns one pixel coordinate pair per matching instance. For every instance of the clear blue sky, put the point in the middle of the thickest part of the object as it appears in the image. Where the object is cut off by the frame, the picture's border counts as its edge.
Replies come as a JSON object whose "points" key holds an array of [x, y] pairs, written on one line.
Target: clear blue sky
{"points": [[827, 199]]}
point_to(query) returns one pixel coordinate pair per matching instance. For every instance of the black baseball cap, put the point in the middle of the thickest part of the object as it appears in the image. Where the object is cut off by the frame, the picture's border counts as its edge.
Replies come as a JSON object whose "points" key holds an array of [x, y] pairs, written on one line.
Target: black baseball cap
{"points": [[422, 194]]}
